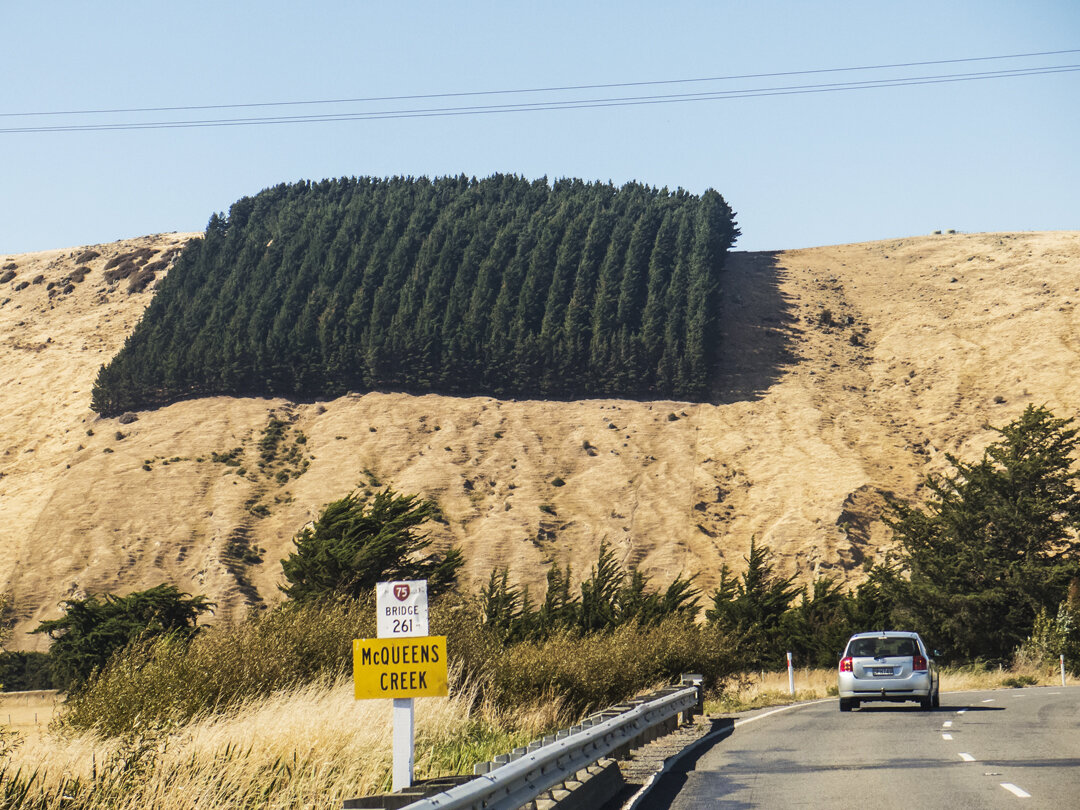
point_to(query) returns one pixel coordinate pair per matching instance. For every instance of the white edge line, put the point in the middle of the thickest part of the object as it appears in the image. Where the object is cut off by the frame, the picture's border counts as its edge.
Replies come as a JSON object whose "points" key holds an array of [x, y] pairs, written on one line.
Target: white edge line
{"points": [[1016, 791], [746, 720], [671, 761]]}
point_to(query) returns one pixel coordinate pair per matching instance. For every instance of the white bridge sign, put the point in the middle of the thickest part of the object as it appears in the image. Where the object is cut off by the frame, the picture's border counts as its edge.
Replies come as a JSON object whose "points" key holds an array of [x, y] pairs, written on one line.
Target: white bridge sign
{"points": [[401, 609]]}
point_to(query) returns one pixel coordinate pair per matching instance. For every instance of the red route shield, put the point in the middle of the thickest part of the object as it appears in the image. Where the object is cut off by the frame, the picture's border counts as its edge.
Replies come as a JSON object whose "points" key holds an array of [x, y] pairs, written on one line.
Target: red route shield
{"points": [[401, 591]]}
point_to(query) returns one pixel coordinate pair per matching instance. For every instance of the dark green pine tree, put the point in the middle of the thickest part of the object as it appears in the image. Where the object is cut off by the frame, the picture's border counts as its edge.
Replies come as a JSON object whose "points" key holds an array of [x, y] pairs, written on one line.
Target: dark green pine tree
{"points": [[500, 286], [996, 542]]}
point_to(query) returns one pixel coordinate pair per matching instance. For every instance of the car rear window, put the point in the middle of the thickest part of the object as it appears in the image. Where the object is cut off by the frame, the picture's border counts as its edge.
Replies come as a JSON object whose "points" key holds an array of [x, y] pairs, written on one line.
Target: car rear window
{"points": [[882, 647]]}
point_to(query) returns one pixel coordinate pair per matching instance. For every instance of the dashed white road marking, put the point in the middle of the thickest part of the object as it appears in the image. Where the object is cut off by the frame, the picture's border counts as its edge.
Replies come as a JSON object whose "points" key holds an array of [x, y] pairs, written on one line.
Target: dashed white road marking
{"points": [[946, 736], [1016, 791], [967, 757], [947, 724], [989, 700], [961, 711]]}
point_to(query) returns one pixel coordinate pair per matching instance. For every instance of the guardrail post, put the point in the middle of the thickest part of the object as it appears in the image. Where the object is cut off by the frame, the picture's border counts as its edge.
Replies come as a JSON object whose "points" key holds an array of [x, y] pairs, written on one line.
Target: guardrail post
{"points": [[696, 680]]}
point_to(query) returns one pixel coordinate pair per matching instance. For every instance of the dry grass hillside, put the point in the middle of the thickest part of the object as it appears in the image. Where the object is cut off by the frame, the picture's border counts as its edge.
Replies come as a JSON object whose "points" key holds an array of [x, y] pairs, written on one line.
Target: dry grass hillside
{"points": [[847, 371]]}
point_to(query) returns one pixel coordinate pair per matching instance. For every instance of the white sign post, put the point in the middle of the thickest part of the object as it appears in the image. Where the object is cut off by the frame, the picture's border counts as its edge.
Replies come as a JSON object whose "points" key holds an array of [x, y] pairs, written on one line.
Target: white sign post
{"points": [[402, 612], [790, 675]]}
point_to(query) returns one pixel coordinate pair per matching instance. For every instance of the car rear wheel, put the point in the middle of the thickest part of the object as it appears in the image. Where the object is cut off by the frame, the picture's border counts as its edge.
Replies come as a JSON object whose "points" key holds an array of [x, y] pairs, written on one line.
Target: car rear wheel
{"points": [[847, 704], [927, 703], [937, 698]]}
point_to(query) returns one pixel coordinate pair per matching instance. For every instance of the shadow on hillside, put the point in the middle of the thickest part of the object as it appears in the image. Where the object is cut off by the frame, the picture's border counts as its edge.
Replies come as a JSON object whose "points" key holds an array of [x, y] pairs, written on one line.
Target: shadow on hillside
{"points": [[757, 328]]}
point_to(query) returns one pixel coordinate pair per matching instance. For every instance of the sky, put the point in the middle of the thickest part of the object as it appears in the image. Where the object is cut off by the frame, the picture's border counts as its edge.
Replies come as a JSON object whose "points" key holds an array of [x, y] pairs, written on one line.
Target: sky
{"points": [[800, 169]]}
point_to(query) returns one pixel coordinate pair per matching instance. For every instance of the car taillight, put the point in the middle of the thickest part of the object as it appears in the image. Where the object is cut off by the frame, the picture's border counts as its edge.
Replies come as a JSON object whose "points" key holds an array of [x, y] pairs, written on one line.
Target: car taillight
{"points": [[918, 663], [845, 664]]}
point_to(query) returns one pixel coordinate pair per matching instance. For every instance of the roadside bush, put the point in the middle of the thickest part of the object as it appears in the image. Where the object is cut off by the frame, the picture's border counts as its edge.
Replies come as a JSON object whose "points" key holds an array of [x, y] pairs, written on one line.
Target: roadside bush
{"points": [[157, 683], [91, 630], [600, 669], [164, 680]]}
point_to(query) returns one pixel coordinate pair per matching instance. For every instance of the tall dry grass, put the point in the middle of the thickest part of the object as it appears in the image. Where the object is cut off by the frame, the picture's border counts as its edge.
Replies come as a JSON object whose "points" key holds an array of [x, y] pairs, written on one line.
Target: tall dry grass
{"points": [[310, 746], [169, 681], [755, 690]]}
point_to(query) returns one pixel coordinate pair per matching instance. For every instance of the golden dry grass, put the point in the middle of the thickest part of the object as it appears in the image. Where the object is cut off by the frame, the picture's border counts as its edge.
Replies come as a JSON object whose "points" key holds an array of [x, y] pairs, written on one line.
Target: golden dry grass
{"points": [[931, 339], [308, 747], [28, 713], [759, 689]]}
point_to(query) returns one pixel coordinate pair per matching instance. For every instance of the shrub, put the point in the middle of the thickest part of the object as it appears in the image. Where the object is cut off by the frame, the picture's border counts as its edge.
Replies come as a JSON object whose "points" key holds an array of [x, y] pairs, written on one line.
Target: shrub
{"points": [[599, 669], [92, 629], [161, 680], [140, 280], [86, 256], [121, 271], [1020, 681]]}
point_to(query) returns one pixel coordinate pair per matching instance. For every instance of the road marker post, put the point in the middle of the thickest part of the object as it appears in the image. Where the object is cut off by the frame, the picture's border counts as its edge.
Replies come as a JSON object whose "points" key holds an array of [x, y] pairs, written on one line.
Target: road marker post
{"points": [[790, 675], [404, 662], [1063, 669]]}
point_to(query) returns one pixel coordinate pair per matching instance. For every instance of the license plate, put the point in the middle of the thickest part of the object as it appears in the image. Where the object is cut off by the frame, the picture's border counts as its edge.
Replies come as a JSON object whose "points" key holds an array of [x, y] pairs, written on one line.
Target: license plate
{"points": [[882, 670]]}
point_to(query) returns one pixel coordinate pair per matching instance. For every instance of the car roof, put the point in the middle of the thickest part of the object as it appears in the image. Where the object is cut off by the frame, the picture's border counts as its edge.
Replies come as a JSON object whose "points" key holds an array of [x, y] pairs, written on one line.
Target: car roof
{"points": [[887, 633]]}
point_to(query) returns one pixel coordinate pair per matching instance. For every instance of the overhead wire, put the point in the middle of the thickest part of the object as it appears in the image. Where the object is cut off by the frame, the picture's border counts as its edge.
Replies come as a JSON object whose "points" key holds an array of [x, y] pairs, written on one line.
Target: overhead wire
{"points": [[551, 89], [557, 104]]}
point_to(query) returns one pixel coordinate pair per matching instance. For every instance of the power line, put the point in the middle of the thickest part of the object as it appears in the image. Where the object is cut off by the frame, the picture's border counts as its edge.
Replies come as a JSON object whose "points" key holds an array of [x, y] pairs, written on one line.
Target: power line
{"points": [[560, 104], [552, 89]]}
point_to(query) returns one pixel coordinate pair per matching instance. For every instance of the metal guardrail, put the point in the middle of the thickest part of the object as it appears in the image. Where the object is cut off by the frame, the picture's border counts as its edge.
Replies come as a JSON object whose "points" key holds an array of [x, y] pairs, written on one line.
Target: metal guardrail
{"points": [[548, 763]]}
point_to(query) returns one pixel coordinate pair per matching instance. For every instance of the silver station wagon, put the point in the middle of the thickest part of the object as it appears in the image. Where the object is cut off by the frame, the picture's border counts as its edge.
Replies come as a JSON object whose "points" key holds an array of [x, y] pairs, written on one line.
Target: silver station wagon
{"points": [[889, 665]]}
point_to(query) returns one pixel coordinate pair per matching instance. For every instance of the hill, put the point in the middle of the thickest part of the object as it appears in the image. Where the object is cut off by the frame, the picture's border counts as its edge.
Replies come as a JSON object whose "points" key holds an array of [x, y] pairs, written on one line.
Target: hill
{"points": [[846, 370]]}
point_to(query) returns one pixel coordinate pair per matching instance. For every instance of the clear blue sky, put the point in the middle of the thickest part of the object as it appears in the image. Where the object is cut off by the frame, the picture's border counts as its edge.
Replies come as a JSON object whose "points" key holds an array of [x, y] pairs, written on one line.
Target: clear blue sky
{"points": [[799, 170]]}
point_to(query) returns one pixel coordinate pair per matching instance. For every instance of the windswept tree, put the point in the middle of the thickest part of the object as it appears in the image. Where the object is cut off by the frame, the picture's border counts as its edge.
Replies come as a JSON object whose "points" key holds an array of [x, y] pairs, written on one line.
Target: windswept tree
{"points": [[996, 543], [752, 607], [92, 629], [356, 543]]}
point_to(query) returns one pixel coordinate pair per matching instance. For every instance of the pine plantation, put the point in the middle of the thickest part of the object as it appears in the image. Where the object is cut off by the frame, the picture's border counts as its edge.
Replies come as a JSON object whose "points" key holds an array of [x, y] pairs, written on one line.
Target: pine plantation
{"points": [[501, 286]]}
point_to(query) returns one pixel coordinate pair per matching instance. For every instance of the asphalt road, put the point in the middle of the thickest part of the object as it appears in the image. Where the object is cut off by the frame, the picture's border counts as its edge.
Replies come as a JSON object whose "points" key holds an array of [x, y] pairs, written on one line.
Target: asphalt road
{"points": [[1002, 748]]}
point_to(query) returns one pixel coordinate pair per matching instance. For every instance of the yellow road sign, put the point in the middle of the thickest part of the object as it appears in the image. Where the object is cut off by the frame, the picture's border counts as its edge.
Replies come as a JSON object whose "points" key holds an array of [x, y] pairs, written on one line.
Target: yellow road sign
{"points": [[399, 667]]}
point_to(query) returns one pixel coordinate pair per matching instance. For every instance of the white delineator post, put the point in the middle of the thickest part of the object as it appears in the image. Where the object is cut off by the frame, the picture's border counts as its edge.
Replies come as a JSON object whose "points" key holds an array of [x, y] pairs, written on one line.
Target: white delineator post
{"points": [[1062, 669], [402, 611], [404, 728], [790, 675]]}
